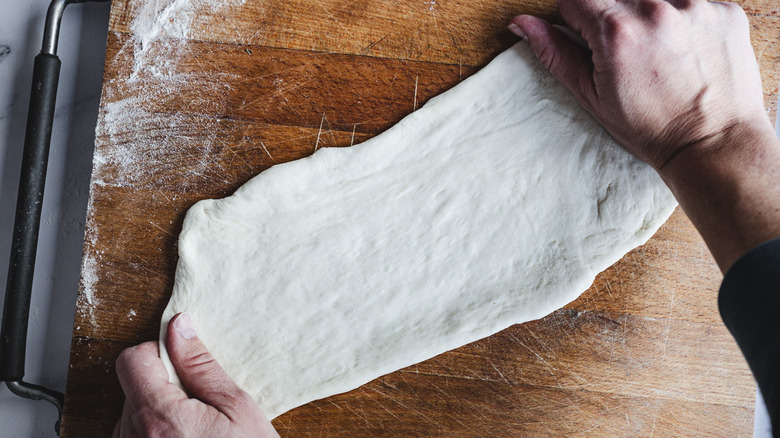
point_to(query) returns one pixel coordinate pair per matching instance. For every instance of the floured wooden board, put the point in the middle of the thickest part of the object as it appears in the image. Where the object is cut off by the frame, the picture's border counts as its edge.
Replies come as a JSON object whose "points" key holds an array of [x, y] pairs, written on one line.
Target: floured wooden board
{"points": [[199, 101]]}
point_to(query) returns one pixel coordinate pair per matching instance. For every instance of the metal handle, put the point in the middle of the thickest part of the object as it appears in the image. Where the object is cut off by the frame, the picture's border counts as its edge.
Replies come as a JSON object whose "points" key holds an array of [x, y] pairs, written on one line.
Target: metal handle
{"points": [[35, 157], [29, 201]]}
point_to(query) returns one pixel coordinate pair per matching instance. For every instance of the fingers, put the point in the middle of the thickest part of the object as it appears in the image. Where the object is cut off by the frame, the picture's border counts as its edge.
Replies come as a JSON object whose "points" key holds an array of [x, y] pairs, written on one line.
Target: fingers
{"points": [[200, 373], [588, 17], [143, 377], [568, 60]]}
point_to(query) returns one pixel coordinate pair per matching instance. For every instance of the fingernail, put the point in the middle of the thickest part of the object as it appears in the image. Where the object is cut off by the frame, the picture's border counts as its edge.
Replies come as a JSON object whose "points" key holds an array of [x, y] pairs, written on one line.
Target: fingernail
{"points": [[183, 326], [517, 30]]}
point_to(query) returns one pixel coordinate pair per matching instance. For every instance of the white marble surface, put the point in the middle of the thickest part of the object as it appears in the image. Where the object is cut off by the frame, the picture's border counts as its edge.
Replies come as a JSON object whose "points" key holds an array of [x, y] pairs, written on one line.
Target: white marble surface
{"points": [[82, 50]]}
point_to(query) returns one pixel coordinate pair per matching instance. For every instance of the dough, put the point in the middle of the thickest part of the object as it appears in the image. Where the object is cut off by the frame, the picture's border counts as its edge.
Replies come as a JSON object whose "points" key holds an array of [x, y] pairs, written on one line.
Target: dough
{"points": [[496, 203]]}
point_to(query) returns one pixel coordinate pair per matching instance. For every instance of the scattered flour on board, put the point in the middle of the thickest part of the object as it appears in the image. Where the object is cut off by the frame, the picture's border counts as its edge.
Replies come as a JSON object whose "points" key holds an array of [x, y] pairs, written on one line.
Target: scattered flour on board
{"points": [[131, 135], [133, 142], [169, 23], [87, 301]]}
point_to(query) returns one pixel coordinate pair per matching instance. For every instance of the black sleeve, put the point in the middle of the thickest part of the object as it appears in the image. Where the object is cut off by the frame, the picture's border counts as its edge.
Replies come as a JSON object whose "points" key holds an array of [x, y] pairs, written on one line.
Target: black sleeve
{"points": [[749, 303]]}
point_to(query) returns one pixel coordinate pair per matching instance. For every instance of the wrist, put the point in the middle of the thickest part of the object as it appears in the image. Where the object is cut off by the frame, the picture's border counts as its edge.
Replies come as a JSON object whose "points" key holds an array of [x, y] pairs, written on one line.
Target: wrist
{"points": [[738, 149], [727, 185]]}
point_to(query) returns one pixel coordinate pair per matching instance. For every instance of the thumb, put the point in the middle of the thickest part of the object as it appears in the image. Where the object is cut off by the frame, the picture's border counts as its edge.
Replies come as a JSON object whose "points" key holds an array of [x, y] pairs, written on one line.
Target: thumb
{"points": [[199, 372], [567, 60]]}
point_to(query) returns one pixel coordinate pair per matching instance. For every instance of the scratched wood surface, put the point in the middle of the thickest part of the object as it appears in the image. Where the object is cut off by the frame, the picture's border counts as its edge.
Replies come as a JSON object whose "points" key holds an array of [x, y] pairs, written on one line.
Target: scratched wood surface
{"points": [[212, 93]]}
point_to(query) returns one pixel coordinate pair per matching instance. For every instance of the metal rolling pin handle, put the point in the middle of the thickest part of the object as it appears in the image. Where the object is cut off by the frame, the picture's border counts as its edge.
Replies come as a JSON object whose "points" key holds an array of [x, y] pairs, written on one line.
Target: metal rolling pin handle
{"points": [[16, 311]]}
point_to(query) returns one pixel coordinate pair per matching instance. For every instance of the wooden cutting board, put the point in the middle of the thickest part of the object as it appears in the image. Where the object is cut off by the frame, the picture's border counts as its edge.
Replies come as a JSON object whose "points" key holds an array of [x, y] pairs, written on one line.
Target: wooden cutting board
{"points": [[206, 97]]}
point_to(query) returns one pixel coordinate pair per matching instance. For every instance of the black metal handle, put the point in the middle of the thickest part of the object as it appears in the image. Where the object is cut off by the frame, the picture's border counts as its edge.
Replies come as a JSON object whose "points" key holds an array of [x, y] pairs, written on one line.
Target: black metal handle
{"points": [[13, 336]]}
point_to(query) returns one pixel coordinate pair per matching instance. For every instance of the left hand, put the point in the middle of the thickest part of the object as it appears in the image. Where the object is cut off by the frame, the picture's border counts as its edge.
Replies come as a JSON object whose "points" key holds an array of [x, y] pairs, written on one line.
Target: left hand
{"points": [[155, 407]]}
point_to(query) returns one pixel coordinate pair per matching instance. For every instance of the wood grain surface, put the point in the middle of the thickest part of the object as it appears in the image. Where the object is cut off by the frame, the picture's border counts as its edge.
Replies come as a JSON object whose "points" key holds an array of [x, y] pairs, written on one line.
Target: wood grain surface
{"points": [[221, 93]]}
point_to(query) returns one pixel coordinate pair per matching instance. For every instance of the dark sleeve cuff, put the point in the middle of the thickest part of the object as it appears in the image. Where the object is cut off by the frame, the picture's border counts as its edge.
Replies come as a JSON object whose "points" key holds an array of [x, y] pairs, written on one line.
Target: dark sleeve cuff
{"points": [[749, 303]]}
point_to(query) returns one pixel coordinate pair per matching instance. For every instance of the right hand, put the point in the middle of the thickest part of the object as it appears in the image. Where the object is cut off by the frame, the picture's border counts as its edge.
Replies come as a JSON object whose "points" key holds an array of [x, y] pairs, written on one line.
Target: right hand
{"points": [[661, 76]]}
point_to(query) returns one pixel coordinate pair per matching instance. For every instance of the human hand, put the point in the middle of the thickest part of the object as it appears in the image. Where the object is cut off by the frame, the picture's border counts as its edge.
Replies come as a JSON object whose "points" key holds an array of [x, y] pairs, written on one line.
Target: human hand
{"points": [[216, 406], [661, 76]]}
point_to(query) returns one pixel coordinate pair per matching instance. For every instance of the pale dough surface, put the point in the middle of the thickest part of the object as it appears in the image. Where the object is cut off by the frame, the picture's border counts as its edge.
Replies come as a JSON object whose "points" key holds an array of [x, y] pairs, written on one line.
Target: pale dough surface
{"points": [[496, 203]]}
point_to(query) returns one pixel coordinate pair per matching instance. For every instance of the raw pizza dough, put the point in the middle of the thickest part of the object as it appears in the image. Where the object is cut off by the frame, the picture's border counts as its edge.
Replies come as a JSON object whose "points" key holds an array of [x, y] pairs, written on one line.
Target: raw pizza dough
{"points": [[496, 203]]}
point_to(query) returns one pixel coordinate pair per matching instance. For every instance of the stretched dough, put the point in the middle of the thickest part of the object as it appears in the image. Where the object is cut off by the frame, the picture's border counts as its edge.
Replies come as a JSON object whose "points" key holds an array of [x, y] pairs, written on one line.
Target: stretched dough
{"points": [[496, 203]]}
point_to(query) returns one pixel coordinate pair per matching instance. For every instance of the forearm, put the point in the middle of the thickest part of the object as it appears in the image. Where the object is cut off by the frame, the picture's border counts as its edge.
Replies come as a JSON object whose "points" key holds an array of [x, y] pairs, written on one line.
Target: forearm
{"points": [[729, 186]]}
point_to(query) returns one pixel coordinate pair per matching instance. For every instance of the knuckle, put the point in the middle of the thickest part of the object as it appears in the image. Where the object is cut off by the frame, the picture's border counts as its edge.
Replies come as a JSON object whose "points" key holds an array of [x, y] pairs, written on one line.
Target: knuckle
{"points": [[237, 398], [228, 394], [730, 16], [241, 404], [616, 27], [243, 399], [733, 8], [124, 359], [621, 36], [737, 14], [547, 57], [658, 13], [129, 356], [199, 360]]}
